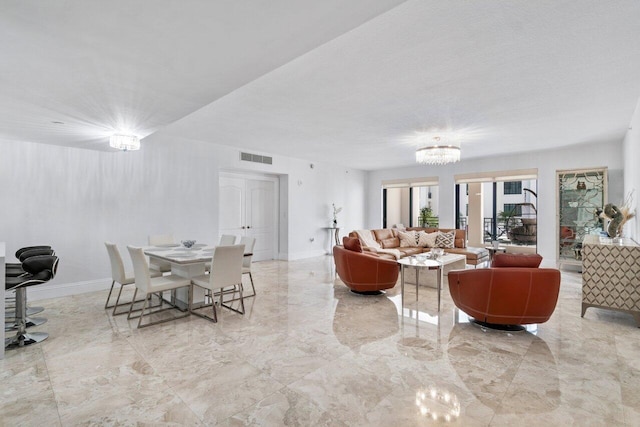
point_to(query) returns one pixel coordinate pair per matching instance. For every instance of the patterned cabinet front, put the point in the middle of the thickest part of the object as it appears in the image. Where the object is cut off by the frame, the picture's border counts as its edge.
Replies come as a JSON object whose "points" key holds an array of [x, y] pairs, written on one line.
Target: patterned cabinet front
{"points": [[611, 276]]}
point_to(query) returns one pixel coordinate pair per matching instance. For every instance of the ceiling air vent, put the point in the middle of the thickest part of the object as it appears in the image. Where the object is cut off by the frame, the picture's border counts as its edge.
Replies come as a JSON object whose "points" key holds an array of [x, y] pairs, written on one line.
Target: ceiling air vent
{"points": [[248, 157]]}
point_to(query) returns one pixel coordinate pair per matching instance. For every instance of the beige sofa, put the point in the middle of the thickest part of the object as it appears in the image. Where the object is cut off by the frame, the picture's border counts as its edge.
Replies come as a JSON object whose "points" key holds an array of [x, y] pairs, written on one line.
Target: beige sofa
{"points": [[386, 243]]}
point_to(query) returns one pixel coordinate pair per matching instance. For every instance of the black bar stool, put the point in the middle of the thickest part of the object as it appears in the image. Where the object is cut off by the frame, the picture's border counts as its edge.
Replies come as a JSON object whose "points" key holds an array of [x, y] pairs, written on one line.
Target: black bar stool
{"points": [[15, 269], [39, 269]]}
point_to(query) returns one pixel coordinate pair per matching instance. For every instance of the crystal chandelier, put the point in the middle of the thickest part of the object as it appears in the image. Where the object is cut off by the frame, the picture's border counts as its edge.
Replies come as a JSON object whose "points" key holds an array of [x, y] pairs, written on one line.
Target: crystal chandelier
{"points": [[438, 153], [124, 142]]}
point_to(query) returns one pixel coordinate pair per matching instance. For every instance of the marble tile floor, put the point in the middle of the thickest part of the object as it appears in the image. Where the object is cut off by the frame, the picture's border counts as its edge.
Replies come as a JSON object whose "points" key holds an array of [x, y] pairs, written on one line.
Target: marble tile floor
{"points": [[310, 353]]}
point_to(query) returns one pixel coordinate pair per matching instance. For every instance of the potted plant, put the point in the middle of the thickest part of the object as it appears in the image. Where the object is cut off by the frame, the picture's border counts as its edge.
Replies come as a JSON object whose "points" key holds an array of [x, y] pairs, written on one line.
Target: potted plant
{"points": [[426, 214]]}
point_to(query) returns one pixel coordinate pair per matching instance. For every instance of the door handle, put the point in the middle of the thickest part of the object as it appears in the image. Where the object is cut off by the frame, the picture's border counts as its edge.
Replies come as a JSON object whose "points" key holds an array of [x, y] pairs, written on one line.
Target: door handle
{"points": [[243, 227], [248, 226]]}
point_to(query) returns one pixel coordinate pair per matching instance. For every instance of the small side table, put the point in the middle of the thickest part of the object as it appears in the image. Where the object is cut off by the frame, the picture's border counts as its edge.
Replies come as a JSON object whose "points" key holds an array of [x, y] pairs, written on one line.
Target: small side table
{"points": [[493, 250], [336, 233], [428, 264]]}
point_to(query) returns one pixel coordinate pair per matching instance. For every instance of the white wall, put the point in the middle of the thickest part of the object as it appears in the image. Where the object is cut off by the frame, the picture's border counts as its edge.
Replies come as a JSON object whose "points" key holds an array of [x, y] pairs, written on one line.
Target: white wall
{"points": [[631, 152], [587, 155], [75, 199]]}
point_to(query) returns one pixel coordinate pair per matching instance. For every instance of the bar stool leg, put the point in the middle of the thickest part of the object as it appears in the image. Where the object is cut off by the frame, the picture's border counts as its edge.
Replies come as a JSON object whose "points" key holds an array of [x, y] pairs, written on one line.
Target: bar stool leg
{"points": [[23, 338]]}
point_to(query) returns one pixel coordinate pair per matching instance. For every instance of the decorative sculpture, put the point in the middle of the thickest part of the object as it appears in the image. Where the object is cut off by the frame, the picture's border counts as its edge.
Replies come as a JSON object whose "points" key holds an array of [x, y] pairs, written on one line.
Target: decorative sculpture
{"points": [[336, 211], [616, 219], [618, 216]]}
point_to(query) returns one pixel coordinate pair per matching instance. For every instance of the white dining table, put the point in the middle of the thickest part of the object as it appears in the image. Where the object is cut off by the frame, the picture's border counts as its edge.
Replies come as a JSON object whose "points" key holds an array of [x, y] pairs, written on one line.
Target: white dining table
{"points": [[185, 262]]}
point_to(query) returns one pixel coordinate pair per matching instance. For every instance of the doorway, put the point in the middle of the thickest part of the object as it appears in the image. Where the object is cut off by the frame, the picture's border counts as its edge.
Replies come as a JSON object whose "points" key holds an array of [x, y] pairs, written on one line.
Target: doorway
{"points": [[498, 206], [410, 203], [249, 207]]}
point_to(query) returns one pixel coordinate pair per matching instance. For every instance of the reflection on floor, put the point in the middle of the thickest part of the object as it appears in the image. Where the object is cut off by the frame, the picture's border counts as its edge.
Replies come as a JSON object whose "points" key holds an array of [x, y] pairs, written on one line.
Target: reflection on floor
{"points": [[309, 352]]}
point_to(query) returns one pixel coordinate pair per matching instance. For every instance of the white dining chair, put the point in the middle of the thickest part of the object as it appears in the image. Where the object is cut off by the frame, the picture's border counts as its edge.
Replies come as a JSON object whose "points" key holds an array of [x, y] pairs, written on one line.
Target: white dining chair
{"points": [[150, 285], [249, 243], [227, 240], [225, 278], [120, 276], [159, 240]]}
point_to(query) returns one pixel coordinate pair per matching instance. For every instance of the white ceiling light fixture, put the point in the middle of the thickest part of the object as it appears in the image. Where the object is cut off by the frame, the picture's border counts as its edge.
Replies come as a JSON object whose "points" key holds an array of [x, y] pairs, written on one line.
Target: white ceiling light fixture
{"points": [[124, 142], [439, 151]]}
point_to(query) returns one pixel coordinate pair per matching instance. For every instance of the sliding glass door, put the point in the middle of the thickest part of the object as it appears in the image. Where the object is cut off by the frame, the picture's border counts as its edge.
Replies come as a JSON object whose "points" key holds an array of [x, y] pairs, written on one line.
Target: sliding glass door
{"points": [[410, 203], [501, 208]]}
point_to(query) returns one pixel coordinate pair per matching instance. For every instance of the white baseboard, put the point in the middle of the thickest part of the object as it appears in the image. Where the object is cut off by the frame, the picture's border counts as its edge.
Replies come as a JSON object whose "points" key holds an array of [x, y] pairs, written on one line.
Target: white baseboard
{"points": [[306, 254], [66, 289]]}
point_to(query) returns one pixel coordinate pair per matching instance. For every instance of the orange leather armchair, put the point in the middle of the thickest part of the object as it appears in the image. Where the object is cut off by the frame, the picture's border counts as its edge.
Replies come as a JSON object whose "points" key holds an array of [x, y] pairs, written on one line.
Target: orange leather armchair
{"points": [[512, 292], [363, 272]]}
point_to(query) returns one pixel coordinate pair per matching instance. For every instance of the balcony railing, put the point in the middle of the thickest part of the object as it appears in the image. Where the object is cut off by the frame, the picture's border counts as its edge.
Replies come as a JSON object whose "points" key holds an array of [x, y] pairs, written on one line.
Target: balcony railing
{"points": [[433, 221]]}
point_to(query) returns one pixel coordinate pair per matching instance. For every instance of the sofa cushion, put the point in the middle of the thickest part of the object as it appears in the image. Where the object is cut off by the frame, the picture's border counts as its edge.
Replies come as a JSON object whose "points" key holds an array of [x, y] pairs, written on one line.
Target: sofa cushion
{"points": [[393, 242], [472, 254], [410, 251], [516, 260], [351, 244], [446, 240], [408, 239], [385, 233], [427, 240]]}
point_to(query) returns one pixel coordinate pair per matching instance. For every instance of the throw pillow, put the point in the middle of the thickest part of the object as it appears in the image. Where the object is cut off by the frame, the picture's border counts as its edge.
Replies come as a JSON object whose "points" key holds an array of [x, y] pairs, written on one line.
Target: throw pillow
{"points": [[446, 240], [427, 240], [352, 244], [408, 239]]}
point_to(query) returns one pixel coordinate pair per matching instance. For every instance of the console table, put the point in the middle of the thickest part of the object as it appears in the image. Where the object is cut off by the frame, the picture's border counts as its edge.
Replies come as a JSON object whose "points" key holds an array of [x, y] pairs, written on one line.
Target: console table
{"points": [[335, 233], [611, 275]]}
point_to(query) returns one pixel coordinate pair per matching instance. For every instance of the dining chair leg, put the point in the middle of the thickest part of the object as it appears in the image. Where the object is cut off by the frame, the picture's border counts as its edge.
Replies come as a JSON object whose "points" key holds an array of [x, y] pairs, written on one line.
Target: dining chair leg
{"points": [[106, 304], [252, 286], [203, 314], [144, 305], [171, 307], [241, 296], [239, 290], [131, 306], [213, 305], [133, 301], [115, 307]]}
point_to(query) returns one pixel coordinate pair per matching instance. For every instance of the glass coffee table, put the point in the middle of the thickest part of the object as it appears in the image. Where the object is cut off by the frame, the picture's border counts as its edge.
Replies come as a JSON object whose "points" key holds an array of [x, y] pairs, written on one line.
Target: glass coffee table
{"points": [[427, 264]]}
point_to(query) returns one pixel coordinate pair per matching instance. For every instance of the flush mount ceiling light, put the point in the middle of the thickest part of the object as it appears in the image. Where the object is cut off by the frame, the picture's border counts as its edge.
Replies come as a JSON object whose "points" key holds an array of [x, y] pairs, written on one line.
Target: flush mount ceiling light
{"points": [[124, 142], [439, 152]]}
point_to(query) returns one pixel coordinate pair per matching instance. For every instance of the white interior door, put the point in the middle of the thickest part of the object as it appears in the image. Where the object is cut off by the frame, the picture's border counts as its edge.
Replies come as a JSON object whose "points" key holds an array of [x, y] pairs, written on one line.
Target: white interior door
{"points": [[232, 206], [260, 214], [248, 207]]}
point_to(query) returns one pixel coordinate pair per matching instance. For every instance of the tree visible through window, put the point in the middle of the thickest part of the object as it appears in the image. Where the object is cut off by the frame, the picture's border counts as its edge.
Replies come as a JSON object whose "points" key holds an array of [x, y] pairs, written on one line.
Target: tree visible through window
{"points": [[513, 187]]}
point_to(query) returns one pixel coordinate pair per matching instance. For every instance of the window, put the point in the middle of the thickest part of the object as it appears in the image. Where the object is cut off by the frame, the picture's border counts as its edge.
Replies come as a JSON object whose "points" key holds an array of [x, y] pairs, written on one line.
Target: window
{"points": [[513, 209], [513, 187]]}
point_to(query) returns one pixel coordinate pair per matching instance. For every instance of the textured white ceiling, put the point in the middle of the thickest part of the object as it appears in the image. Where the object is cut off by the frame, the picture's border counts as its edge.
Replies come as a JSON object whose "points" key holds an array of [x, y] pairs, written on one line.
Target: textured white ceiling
{"points": [[103, 66], [326, 81]]}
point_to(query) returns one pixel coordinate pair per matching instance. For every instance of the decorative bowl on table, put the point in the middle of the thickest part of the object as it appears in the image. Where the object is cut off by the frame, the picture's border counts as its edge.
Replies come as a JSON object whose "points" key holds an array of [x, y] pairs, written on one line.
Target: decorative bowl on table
{"points": [[436, 253], [421, 258], [188, 243]]}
